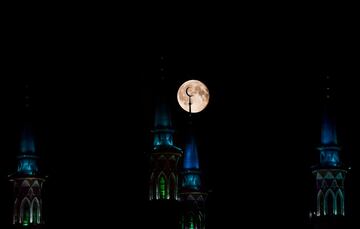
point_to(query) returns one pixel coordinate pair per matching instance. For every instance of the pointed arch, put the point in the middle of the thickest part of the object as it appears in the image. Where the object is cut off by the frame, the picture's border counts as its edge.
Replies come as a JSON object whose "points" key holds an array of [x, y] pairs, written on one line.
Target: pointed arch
{"points": [[320, 204], [173, 186], [329, 202], [35, 184], [161, 186], [201, 220], [35, 209], [25, 183], [16, 209], [340, 208], [25, 212], [190, 221], [151, 186]]}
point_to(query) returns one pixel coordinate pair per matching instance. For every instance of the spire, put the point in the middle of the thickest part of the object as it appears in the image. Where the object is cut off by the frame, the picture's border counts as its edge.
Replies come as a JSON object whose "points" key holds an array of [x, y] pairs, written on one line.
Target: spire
{"points": [[191, 159], [328, 130], [191, 167], [162, 115], [27, 145], [162, 124], [329, 150], [27, 158], [162, 67]]}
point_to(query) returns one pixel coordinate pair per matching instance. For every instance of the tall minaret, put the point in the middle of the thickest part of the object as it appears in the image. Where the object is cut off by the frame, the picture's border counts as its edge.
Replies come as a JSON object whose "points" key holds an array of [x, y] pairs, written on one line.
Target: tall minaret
{"points": [[165, 156], [329, 173], [192, 194], [27, 180]]}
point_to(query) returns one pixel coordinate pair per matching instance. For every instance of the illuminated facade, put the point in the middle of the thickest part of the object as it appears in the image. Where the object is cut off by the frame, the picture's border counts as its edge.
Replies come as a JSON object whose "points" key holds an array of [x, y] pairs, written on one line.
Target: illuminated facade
{"points": [[27, 185], [329, 173], [164, 158], [27, 182]]}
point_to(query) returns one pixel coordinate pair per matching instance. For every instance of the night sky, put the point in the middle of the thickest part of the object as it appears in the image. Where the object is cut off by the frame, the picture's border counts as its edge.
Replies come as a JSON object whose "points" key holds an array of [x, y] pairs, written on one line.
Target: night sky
{"points": [[93, 92]]}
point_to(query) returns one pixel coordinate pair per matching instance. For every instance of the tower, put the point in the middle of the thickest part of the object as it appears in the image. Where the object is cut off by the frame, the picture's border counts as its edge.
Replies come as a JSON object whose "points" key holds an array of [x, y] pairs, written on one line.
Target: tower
{"points": [[192, 195], [165, 156], [27, 180], [329, 173]]}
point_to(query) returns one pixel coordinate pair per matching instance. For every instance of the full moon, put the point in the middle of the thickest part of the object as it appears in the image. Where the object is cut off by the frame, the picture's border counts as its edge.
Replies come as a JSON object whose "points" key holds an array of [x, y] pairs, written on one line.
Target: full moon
{"points": [[196, 92]]}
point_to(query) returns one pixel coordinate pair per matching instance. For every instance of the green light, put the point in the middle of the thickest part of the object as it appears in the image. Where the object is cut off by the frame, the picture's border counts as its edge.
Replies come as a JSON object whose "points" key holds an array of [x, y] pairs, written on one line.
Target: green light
{"points": [[26, 219], [191, 223], [162, 188]]}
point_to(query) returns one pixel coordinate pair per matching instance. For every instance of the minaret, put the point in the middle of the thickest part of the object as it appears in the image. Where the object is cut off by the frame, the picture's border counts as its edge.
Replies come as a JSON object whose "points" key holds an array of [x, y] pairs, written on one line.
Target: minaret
{"points": [[329, 173], [27, 180], [165, 156], [192, 194]]}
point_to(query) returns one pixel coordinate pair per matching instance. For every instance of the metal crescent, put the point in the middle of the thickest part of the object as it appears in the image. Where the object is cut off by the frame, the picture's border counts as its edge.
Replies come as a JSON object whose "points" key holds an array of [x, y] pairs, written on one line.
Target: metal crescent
{"points": [[186, 91]]}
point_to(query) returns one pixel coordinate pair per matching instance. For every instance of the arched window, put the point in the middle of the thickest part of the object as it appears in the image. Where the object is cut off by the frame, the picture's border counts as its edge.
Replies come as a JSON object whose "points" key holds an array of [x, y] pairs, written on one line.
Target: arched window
{"points": [[25, 212], [339, 203], [151, 187], [320, 204], [162, 187], [173, 186], [191, 223], [329, 202], [35, 211], [25, 183], [15, 215]]}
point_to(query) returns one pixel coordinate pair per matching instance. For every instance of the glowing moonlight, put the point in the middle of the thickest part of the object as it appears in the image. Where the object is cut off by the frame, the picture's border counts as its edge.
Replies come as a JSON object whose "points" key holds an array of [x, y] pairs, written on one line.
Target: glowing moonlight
{"points": [[198, 94]]}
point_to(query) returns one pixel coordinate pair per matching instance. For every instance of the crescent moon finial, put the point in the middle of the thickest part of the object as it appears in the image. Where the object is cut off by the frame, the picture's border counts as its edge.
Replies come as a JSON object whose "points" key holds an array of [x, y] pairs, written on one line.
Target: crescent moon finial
{"points": [[187, 93]]}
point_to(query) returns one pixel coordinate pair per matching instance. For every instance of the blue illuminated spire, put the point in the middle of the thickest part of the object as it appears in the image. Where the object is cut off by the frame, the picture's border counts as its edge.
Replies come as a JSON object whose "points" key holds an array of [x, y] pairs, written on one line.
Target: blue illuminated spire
{"points": [[191, 159], [191, 167], [27, 145], [329, 150], [328, 128], [163, 131], [27, 157]]}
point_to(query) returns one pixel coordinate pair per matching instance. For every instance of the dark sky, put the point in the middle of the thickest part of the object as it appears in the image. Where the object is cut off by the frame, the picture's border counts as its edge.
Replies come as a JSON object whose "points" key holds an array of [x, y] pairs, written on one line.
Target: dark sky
{"points": [[93, 94]]}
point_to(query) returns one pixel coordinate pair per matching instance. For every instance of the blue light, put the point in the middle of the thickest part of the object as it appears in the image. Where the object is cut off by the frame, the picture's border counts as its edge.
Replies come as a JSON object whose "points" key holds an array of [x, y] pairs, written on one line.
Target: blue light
{"points": [[329, 156], [191, 160], [27, 160], [162, 138], [162, 116], [191, 181], [328, 131], [27, 144], [329, 152], [163, 132], [27, 166]]}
